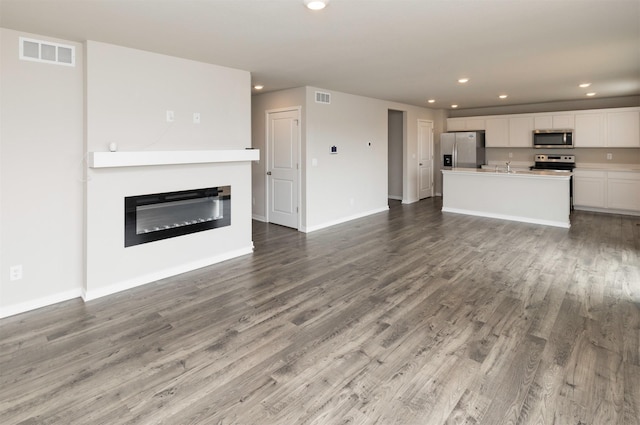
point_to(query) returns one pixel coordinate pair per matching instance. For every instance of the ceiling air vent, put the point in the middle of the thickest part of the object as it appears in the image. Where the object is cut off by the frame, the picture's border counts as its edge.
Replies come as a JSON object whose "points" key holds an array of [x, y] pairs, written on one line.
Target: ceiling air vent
{"points": [[46, 51], [322, 97]]}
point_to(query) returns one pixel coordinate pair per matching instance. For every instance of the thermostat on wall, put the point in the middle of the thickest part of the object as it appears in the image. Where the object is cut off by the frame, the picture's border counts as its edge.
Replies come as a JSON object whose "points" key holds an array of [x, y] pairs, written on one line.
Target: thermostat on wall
{"points": [[334, 149]]}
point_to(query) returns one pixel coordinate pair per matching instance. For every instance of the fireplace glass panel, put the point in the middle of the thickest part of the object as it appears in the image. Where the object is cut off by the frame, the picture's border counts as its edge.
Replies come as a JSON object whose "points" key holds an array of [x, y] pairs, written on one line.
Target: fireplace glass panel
{"points": [[159, 216]]}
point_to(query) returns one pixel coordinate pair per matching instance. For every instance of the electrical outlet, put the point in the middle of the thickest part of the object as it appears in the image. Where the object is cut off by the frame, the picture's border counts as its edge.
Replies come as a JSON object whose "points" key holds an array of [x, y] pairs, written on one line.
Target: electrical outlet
{"points": [[510, 154], [609, 156], [170, 116], [15, 272]]}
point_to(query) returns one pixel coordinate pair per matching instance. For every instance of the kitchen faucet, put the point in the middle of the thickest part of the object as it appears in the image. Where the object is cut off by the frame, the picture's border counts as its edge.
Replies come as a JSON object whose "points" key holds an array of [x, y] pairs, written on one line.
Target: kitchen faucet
{"points": [[508, 166]]}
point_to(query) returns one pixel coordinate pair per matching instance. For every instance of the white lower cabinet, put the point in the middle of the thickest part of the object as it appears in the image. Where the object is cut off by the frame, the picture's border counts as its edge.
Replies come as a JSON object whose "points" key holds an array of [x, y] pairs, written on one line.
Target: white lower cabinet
{"points": [[613, 190], [589, 188], [623, 190]]}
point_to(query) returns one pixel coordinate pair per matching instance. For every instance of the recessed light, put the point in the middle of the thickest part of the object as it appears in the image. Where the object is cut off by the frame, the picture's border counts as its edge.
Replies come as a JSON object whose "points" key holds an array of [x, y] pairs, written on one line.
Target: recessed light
{"points": [[584, 85], [454, 106], [591, 94], [431, 101], [258, 87], [463, 80], [316, 4], [503, 96]]}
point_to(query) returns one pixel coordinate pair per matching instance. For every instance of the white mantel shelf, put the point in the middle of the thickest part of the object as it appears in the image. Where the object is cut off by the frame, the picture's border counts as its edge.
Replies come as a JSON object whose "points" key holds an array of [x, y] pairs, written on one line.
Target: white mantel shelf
{"points": [[146, 158]]}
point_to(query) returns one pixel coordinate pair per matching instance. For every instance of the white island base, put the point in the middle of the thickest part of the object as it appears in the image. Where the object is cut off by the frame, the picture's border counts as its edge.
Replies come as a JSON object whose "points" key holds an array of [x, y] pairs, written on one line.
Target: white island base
{"points": [[539, 197]]}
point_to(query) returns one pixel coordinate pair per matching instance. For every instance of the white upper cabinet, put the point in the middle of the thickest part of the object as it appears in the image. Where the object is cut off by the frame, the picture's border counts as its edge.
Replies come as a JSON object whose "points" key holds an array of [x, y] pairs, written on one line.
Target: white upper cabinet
{"points": [[557, 121], [623, 129], [456, 124], [589, 132], [465, 124], [608, 129], [521, 132], [497, 132], [594, 128]]}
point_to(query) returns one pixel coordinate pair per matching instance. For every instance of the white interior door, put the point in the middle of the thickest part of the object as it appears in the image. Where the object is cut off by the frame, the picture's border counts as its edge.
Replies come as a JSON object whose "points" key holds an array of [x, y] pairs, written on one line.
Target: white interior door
{"points": [[282, 167], [425, 159]]}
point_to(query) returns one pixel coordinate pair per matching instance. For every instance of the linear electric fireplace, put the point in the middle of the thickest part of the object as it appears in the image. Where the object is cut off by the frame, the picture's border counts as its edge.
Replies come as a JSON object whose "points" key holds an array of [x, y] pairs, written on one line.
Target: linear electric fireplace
{"points": [[166, 215]]}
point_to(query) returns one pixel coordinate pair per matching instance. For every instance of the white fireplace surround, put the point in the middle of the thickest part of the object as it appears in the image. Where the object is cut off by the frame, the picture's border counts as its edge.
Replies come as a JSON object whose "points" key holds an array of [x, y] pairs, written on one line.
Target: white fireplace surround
{"points": [[111, 176]]}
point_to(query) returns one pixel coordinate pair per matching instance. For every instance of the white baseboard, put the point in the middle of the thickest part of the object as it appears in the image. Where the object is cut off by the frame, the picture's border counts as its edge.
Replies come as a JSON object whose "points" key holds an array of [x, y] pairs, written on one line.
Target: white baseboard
{"points": [[259, 218], [162, 274], [565, 225], [23, 307], [409, 201], [607, 210], [394, 197], [342, 220]]}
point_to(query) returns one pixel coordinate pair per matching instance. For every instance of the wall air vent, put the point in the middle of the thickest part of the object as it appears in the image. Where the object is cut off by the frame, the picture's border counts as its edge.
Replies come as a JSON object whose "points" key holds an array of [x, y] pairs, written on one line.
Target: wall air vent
{"points": [[322, 97], [46, 51]]}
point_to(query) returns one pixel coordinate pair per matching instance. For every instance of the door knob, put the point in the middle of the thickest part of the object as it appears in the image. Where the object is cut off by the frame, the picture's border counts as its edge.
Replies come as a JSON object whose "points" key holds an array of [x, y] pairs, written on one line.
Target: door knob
{"points": [[421, 163], [268, 173]]}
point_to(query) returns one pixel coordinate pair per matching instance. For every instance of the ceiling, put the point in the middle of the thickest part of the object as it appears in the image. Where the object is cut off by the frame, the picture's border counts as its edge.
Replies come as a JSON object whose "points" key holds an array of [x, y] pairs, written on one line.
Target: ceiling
{"points": [[400, 50]]}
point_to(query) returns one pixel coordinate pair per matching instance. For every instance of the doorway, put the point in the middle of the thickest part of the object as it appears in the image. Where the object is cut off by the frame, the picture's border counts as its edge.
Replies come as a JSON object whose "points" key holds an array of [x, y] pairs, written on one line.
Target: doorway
{"points": [[395, 151], [425, 159], [282, 155]]}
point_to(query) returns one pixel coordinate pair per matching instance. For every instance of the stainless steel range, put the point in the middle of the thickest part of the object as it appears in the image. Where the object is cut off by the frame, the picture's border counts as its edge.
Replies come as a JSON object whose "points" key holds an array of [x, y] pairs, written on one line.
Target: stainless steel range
{"points": [[559, 163], [554, 162]]}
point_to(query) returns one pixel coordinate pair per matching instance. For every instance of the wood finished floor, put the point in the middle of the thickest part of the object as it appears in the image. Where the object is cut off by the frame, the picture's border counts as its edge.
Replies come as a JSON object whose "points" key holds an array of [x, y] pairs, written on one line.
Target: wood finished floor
{"points": [[407, 317]]}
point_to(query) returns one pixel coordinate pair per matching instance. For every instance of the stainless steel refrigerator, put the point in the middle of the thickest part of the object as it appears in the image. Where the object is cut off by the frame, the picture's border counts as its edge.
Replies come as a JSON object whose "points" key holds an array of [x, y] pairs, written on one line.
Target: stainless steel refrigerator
{"points": [[462, 150]]}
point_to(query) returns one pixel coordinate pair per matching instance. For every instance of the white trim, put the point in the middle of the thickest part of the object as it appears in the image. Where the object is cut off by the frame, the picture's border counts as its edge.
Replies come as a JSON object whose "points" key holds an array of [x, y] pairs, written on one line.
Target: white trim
{"points": [[23, 307], [162, 274], [135, 159], [394, 197], [565, 225], [259, 218], [343, 220], [267, 112], [432, 153]]}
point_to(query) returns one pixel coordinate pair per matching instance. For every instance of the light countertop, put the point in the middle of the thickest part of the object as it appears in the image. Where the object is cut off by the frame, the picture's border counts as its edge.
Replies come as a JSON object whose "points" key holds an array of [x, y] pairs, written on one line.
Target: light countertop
{"points": [[514, 173]]}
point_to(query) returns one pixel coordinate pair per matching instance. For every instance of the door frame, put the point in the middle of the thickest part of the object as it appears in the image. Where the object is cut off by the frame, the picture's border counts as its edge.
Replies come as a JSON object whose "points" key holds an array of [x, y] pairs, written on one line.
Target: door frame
{"points": [[431, 160], [267, 190]]}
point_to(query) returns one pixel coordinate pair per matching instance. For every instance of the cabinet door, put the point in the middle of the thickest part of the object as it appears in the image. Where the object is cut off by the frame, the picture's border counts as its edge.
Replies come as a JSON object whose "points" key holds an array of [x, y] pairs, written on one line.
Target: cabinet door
{"points": [[623, 190], [543, 122], [556, 122], [474, 124], [623, 129], [564, 121], [456, 124], [521, 132], [497, 132], [589, 132], [589, 189]]}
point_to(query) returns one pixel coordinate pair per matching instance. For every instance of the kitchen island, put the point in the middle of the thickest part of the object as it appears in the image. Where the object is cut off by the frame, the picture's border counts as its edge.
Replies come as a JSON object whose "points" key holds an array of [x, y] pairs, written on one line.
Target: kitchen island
{"points": [[537, 196]]}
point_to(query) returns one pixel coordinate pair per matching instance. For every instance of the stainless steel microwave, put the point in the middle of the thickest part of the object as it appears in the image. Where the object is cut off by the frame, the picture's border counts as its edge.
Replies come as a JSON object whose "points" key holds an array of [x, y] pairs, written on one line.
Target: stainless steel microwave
{"points": [[552, 138]]}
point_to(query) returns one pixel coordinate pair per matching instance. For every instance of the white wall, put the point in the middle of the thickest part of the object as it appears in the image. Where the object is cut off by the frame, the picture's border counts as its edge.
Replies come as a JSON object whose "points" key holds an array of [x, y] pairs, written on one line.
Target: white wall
{"points": [[567, 105], [43, 160], [352, 183], [41, 131], [128, 93]]}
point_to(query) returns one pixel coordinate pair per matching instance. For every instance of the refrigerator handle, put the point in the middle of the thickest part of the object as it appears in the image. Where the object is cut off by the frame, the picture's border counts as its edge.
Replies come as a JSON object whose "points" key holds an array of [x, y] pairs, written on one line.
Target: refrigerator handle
{"points": [[455, 154]]}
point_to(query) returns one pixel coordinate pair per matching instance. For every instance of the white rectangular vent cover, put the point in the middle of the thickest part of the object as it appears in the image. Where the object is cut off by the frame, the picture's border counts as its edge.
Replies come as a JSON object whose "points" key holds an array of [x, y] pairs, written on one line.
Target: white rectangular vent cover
{"points": [[46, 51], [322, 97]]}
